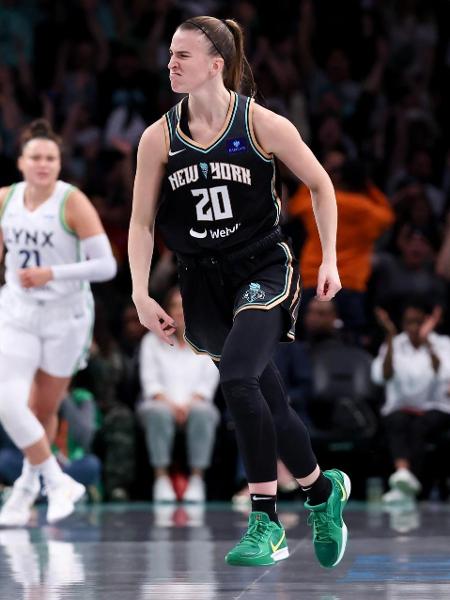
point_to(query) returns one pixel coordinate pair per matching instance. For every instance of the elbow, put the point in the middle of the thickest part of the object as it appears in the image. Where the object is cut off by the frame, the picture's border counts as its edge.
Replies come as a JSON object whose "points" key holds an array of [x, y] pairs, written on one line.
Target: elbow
{"points": [[109, 270]]}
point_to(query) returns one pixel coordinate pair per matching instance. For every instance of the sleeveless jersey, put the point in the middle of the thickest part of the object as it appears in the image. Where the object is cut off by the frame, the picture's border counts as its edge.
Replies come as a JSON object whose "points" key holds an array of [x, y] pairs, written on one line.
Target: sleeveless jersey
{"points": [[217, 197], [39, 238]]}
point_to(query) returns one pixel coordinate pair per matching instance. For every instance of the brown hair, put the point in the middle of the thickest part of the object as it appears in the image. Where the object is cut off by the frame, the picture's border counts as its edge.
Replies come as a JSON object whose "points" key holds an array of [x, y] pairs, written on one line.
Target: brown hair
{"points": [[41, 129], [226, 40]]}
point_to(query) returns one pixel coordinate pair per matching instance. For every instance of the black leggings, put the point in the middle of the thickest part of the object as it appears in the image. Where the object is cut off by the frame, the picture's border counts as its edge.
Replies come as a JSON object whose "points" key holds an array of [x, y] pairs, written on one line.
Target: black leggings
{"points": [[266, 425]]}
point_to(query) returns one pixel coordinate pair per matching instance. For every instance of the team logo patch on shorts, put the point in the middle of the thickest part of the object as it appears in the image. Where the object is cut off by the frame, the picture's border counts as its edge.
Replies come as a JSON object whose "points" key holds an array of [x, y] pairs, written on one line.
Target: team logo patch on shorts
{"points": [[254, 292], [236, 145]]}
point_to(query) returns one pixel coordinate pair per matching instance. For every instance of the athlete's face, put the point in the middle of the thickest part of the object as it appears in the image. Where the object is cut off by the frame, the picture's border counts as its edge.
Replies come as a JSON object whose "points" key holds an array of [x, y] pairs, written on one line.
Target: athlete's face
{"points": [[191, 65], [40, 162]]}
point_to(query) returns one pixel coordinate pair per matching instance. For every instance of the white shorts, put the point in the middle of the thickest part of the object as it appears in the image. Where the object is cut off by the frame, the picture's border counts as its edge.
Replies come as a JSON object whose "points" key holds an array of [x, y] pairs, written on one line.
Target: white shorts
{"points": [[55, 335]]}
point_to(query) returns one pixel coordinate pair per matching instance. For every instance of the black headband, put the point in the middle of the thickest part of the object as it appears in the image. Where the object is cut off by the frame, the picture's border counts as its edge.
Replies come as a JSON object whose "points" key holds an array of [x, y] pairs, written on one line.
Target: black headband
{"points": [[203, 30]]}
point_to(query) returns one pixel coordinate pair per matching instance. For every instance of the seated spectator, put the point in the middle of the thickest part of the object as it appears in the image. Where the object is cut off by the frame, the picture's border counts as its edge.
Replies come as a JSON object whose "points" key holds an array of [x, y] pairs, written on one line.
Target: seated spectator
{"points": [[397, 278], [115, 440], [414, 367], [364, 213], [131, 334], [72, 446], [178, 388], [295, 361]]}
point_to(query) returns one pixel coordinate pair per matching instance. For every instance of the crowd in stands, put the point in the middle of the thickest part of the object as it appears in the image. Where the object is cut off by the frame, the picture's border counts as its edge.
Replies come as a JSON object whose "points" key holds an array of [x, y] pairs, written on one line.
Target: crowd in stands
{"points": [[370, 373]]}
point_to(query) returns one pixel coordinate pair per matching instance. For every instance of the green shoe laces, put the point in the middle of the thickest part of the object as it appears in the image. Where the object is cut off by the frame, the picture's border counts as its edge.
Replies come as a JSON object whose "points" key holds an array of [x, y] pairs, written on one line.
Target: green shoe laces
{"points": [[255, 533], [321, 522]]}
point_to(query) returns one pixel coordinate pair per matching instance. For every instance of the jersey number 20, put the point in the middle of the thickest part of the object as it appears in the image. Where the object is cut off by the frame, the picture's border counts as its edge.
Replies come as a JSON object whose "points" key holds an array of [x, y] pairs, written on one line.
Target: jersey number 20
{"points": [[214, 204]]}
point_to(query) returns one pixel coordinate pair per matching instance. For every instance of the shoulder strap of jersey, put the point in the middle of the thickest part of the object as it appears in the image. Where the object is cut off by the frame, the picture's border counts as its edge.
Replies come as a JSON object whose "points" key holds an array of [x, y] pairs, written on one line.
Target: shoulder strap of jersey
{"points": [[8, 197], [67, 189], [172, 117]]}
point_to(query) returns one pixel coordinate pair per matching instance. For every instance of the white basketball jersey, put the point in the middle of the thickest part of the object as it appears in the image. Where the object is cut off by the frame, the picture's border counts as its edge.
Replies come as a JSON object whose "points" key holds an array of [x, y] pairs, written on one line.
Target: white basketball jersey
{"points": [[39, 238]]}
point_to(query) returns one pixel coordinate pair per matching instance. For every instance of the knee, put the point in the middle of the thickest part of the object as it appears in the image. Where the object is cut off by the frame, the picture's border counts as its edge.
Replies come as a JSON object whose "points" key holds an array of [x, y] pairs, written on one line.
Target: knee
{"points": [[44, 415], [156, 412], [12, 407], [203, 414], [239, 395], [238, 387]]}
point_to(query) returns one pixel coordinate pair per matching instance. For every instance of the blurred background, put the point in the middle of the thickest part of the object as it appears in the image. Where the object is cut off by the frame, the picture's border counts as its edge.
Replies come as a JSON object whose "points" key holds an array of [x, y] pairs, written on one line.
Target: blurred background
{"points": [[364, 82]]}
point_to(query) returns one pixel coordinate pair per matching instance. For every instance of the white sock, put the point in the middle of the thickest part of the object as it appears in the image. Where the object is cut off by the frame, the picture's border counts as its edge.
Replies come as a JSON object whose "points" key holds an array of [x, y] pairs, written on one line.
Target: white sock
{"points": [[30, 473], [50, 471]]}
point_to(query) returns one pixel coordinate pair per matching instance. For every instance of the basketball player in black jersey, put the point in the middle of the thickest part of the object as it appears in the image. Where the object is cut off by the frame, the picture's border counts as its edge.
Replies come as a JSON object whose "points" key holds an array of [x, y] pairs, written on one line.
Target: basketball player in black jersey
{"points": [[206, 173]]}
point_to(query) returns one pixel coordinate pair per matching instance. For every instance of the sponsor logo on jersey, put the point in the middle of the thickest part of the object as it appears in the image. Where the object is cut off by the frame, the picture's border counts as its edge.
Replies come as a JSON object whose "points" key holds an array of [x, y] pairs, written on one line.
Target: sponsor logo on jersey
{"points": [[219, 170], [219, 232], [198, 234], [236, 145], [254, 293]]}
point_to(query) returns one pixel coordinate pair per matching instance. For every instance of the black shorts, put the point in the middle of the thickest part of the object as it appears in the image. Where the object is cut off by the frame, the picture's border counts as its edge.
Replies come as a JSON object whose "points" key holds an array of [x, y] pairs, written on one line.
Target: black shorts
{"points": [[215, 290]]}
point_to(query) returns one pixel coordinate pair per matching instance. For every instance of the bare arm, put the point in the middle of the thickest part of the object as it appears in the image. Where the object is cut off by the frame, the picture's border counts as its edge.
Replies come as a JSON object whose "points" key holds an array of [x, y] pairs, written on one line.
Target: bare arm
{"points": [[151, 159], [443, 257], [3, 193], [279, 136], [81, 216], [390, 331], [388, 363]]}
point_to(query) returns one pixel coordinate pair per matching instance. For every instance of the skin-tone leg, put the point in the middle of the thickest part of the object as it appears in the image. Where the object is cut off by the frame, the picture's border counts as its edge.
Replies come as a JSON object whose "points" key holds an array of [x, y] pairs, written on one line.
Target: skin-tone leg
{"points": [[38, 452], [161, 472], [47, 393], [307, 481], [402, 463], [268, 488]]}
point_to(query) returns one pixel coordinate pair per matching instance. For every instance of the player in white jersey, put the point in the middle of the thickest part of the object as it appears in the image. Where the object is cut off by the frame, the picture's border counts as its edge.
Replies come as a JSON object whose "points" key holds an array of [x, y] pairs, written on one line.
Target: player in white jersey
{"points": [[55, 245]]}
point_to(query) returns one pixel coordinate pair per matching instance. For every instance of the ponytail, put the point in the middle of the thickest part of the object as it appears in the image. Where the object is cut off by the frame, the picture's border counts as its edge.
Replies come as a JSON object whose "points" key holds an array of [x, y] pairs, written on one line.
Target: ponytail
{"points": [[226, 39], [39, 128], [239, 76]]}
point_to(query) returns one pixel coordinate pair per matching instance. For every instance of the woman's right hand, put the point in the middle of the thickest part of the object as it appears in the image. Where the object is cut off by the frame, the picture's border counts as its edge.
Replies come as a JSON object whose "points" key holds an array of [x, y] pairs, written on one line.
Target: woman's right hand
{"points": [[154, 318]]}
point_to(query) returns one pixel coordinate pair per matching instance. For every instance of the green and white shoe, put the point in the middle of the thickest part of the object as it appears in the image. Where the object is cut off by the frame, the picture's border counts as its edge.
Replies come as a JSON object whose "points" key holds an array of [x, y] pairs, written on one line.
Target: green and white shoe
{"points": [[329, 530], [264, 543]]}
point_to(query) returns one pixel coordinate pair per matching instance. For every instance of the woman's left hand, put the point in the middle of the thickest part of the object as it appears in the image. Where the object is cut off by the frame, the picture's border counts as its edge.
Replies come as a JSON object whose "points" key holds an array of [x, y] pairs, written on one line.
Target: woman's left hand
{"points": [[328, 283], [35, 276]]}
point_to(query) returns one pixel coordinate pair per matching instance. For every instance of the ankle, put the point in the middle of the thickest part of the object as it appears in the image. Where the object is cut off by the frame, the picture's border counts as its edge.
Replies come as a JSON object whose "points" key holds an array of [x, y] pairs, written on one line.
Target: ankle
{"points": [[265, 503], [319, 491]]}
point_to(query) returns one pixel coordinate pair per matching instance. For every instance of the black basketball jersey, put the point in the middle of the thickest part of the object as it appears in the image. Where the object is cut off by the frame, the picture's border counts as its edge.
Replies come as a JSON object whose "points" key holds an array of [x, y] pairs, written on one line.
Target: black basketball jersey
{"points": [[218, 197]]}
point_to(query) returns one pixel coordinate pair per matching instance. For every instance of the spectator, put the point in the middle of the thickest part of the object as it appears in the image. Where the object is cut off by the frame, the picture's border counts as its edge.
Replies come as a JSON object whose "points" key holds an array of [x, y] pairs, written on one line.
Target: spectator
{"points": [[178, 389], [364, 213], [115, 440], [414, 367], [397, 278], [131, 336]]}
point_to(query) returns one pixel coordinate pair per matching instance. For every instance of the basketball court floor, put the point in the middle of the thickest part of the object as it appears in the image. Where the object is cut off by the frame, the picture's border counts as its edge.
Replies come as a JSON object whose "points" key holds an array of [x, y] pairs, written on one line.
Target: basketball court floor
{"points": [[140, 552]]}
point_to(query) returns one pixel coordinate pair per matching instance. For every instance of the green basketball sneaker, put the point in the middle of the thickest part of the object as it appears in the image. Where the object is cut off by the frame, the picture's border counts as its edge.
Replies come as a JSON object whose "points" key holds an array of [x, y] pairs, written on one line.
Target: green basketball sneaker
{"points": [[264, 543], [329, 530]]}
